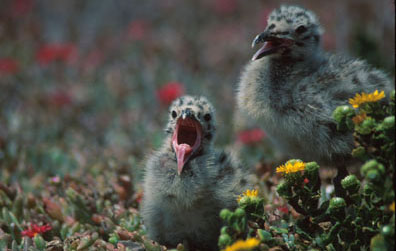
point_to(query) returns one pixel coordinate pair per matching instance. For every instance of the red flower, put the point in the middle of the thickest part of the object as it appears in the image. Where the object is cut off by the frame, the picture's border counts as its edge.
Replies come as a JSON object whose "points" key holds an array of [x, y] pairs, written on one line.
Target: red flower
{"points": [[251, 136], [21, 7], [283, 209], [8, 66], [137, 29], [306, 181], [169, 92], [50, 52], [225, 6], [60, 98], [35, 229]]}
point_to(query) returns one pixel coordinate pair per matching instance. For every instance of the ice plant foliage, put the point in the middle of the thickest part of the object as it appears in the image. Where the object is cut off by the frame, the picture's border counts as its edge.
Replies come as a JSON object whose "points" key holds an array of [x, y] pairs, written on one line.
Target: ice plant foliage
{"points": [[291, 167], [362, 98], [249, 193], [243, 245], [35, 229]]}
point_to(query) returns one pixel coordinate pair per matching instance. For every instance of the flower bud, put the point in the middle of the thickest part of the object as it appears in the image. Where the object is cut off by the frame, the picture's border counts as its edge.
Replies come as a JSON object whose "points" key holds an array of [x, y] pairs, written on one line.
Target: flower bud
{"points": [[343, 116], [337, 203], [342, 112], [372, 165], [312, 170], [225, 214], [239, 213], [224, 240], [337, 207], [374, 176], [367, 126], [351, 184], [389, 122], [224, 230], [284, 190], [359, 153]]}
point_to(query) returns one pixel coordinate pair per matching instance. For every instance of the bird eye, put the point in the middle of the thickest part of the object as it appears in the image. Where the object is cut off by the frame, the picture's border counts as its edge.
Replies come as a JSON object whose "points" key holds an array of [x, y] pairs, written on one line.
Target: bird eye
{"points": [[174, 114], [207, 117], [301, 29]]}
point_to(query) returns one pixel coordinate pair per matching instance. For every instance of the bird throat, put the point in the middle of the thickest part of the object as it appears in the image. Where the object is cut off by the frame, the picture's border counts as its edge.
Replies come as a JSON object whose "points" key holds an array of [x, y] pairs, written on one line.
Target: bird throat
{"points": [[186, 140]]}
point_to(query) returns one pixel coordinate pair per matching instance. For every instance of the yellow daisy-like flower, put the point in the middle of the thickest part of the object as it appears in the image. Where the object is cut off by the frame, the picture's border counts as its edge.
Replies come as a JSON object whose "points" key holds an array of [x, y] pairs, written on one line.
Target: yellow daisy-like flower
{"points": [[249, 193], [359, 118], [291, 168], [242, 245], [366, 98], [392, 207]]}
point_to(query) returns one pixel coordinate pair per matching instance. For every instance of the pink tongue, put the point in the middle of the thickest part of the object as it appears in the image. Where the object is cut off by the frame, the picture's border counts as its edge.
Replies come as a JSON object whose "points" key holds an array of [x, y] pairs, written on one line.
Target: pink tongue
{"points": [[181, 151], [267, 45]]}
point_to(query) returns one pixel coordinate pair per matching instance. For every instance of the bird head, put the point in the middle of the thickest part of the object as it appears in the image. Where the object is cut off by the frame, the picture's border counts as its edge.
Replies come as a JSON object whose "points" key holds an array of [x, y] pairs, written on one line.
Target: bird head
{"points": [[291, 31], [192, 126]]}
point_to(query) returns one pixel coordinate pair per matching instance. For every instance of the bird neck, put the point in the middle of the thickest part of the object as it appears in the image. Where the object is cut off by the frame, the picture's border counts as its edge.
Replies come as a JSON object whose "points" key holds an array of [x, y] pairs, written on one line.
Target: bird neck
{"points": [[280, 69], [282, 74], [309, 62]]}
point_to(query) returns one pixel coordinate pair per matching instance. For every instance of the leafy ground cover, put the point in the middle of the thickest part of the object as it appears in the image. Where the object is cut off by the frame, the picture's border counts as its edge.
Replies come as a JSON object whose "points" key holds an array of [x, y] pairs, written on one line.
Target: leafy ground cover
{"points": [[84, 90]]}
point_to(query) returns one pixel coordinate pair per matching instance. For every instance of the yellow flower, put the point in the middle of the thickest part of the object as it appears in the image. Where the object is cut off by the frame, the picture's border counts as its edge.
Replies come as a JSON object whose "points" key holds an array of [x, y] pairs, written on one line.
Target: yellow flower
{"points": [[249, 193], [365, 98], [291, 168], [242, 245], [359, 118], [392, 207]]}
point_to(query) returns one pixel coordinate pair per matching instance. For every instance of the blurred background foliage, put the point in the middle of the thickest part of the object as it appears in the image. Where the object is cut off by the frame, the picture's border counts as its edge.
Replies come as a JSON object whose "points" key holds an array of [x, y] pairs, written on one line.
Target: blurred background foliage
{"points": [[85, 82]]}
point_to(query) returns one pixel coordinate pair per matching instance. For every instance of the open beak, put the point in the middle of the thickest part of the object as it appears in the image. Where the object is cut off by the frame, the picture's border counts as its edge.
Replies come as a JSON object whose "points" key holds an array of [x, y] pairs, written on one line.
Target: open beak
{"points": [[271, 44], [186, 139]]}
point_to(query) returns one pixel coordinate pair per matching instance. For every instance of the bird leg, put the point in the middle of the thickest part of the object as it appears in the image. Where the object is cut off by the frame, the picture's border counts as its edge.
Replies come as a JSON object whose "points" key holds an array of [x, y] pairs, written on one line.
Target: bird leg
{"points": [[341, 173]]}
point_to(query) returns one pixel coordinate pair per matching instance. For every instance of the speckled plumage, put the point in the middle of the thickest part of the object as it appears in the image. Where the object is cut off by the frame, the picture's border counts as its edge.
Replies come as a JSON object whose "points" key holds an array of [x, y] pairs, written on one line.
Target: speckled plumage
{"points": [[185, 208], [294, 91]]}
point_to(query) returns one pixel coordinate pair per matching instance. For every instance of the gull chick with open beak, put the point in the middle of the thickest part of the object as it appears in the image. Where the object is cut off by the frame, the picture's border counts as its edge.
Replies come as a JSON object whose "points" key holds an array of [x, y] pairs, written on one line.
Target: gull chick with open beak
{"points": [[292, 86], [186, 139], [187, 182]]}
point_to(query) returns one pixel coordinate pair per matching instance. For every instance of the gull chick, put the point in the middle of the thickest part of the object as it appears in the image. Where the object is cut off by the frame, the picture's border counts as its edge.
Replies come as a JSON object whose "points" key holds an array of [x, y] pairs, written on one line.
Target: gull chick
{"points": [[187, 182], [292, 86]]}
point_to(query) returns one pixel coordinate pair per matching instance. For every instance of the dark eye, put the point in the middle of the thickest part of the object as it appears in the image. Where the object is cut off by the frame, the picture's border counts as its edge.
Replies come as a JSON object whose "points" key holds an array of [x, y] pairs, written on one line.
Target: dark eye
{"points": [[174, 114], [207, 117], [301, 29]]}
